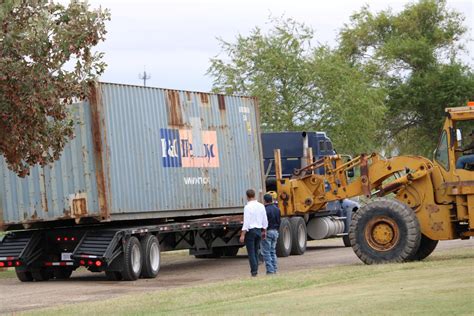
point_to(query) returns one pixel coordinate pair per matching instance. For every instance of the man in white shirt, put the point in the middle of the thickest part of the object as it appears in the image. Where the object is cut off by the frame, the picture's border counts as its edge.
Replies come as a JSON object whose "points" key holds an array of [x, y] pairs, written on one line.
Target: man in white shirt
{"points": [[253, 229]]}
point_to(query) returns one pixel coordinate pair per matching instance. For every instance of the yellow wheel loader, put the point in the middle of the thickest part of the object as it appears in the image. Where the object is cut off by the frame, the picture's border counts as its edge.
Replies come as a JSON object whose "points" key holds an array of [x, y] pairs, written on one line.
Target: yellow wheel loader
{"points": [[413, 202]]}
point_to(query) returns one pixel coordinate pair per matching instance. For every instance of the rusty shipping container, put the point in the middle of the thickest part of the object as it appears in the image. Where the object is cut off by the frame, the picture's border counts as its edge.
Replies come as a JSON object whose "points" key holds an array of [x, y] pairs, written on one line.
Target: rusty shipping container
{"points": [[143, 153]]}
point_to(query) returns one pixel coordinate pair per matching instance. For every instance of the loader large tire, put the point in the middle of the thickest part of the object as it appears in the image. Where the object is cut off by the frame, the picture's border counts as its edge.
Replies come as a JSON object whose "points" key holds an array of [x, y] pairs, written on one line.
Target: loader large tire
{"points": [[283, 247], [427, 246], [384, 231]]}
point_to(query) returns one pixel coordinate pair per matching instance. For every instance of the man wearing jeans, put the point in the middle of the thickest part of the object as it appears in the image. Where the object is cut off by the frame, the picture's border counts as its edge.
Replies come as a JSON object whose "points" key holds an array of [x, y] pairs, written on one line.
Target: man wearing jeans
{"points": [[253, 229], [269, 243]]}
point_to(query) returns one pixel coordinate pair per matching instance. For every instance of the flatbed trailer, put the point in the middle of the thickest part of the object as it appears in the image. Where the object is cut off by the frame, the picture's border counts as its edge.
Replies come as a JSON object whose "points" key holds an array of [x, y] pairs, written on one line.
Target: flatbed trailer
{"points": [[55, 253]]}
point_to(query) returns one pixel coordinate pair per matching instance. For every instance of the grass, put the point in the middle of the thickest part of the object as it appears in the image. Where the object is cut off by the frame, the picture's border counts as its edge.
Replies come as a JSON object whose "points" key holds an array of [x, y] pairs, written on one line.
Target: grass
{"points": [[7, 273], [443, 284]]}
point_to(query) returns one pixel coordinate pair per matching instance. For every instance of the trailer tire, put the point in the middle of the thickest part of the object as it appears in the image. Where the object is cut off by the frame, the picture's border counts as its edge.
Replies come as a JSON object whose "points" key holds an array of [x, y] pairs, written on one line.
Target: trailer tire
{"points": [[23, 275], [385, 231], [151, 257], [299, 235], [113, 275], [427, 246], [62, 274], [132, 259], [41, 274], [283, 247]]}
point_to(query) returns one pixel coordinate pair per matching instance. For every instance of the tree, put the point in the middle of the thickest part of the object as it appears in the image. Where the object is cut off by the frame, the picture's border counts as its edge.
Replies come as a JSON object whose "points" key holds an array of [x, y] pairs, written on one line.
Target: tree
{"points": [[351, 105], [274, 68], [41, 40], [300, 87], [414, 55]]}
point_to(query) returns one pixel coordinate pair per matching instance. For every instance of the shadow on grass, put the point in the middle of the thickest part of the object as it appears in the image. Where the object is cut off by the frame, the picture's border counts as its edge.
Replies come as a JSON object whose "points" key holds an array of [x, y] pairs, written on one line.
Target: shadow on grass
{"points": [[447, 257]]}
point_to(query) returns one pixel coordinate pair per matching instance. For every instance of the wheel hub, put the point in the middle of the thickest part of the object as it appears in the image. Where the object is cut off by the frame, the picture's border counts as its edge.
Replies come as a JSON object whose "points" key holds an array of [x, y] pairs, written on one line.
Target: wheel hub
{"points": [[136, 258], [382, 233]]}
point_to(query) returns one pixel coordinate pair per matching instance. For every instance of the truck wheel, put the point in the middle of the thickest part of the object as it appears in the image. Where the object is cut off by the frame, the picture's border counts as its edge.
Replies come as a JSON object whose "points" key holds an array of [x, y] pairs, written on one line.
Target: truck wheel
{"points": [[299, 235], [231, 251], [23, 275], [113, 275], [283, 247], [427, 246], [151, 257], [62, 274], [384, 231], [346, 240], [132, 260], [41, 274]]}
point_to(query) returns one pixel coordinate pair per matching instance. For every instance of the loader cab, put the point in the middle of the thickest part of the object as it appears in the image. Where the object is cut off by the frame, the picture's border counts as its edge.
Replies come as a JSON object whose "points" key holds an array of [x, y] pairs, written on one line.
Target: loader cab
{"points": [[456, 134]]}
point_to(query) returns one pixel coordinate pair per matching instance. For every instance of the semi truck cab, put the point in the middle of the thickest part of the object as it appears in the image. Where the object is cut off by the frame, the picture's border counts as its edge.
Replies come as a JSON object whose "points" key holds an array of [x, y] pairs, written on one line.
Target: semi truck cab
{"points": [[292, 146], [334, 220]]}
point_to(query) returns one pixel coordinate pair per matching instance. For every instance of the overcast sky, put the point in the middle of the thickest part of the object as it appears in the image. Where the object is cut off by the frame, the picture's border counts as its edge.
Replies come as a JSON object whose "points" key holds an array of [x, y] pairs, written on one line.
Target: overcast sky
{"points": [[175, 39]]}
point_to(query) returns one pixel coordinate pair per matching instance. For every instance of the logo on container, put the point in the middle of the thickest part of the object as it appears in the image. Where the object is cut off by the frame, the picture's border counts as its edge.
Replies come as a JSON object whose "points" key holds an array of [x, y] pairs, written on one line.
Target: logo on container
{"points": [[185, 148]]}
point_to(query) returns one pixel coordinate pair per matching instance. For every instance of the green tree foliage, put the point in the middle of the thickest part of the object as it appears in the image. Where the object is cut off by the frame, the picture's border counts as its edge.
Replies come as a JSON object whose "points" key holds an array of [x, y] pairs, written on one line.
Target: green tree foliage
{"points": [[300, 87], [414, 56], [352, 106], [40, 39], [272, 67]]}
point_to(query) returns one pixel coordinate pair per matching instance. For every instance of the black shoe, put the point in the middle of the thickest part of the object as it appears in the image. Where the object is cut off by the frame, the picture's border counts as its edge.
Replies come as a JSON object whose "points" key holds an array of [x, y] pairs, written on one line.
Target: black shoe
{"points": [[254, 274]]}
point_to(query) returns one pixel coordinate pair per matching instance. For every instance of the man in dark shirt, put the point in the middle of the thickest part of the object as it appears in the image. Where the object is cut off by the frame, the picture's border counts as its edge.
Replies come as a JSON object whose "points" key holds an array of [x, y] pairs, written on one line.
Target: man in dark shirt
{"points": [[468, 151], [269, 243]]}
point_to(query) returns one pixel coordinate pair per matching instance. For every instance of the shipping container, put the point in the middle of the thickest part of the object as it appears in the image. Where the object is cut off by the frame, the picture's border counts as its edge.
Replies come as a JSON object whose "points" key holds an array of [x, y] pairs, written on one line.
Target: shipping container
{"points": [[143, 153]]}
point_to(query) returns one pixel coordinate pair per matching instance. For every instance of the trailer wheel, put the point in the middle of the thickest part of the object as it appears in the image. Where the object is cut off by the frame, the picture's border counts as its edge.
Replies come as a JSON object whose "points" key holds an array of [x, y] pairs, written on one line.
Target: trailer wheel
{"points": [[113, 275], [23, 275], [151, 257], [427, 246], [132, 260], [41, 274], [299, 235], [384, 231], [283, 247], [62, 274]]}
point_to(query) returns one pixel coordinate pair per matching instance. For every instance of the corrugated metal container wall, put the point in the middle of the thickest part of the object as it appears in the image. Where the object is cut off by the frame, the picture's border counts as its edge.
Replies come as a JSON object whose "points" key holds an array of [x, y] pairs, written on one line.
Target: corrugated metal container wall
{"points": [[145, 153]]}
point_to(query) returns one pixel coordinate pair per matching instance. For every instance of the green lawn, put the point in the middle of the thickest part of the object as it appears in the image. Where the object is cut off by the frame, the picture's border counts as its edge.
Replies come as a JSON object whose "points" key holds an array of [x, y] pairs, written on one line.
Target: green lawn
{"points": [[7, 273], [441, 285]]}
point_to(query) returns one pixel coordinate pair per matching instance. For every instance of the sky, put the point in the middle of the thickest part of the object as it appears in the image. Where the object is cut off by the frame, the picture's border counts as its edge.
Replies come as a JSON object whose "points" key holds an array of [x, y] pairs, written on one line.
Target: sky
{"points": [[174, 39]]}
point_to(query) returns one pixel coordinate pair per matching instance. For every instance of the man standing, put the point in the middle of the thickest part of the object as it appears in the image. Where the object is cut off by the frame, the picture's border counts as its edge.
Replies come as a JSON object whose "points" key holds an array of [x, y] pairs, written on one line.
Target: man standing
{"points": [[253, 229], [269, 243]]}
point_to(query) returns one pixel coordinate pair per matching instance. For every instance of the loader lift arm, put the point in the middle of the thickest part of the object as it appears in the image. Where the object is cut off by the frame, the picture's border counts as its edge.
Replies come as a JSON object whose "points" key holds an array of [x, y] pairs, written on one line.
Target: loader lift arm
{"points": [[309, 192]]}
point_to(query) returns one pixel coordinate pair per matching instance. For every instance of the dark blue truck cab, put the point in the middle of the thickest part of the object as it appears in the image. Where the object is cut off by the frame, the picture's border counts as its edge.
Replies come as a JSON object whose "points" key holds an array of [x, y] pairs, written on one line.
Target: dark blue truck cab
{"points": [[334, 221], [291, 145]]}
